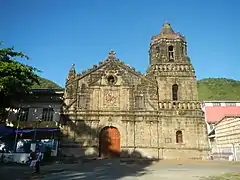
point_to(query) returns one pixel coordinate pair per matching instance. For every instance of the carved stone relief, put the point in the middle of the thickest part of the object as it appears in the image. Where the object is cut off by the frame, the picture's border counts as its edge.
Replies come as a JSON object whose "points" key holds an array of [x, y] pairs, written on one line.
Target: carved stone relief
{"points": [[111, 98]]}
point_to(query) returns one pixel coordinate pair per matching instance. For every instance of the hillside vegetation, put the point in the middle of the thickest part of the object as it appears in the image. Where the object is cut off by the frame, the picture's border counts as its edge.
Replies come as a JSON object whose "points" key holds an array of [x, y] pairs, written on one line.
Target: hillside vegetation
{"points": [[46, 84], [208, 89], [218, 89]]}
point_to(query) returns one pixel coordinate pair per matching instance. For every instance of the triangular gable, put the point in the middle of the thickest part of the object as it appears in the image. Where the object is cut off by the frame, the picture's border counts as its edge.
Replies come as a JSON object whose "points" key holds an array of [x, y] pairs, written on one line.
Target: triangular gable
{"points": [[112, 60], [227, 116]]}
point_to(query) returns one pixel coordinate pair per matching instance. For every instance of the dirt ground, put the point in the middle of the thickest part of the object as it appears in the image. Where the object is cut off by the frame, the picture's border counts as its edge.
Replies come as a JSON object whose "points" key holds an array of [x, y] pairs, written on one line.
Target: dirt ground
{"points": [[191, 170], [112, 169]]}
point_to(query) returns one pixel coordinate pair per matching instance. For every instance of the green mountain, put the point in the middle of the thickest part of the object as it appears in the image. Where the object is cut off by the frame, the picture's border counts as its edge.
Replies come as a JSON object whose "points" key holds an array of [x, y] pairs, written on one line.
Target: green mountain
{"points": [[218, 89], [46, 84], [208, 89]]}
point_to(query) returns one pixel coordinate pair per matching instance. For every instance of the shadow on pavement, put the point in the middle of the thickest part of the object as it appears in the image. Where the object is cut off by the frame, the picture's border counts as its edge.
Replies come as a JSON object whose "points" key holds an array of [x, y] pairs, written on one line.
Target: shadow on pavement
{"points": [[102, 169]]}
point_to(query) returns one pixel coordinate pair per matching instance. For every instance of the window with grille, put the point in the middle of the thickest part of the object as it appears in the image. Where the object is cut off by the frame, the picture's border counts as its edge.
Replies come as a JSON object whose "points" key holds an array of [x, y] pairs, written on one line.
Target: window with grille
{"points": [[47, 114], [179, 137], [23, 114], [139, 102], [175, 92], [171, 53]]}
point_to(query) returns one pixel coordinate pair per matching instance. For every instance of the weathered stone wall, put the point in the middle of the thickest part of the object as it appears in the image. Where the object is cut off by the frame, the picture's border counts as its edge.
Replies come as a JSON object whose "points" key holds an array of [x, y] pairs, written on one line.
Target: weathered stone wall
{"points": [[140, 106], [156, 139], [187, 88]]}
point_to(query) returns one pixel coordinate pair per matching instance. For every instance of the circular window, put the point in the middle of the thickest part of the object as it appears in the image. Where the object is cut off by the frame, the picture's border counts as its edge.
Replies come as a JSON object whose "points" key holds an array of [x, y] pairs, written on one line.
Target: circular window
{"points": [[111, 79]]}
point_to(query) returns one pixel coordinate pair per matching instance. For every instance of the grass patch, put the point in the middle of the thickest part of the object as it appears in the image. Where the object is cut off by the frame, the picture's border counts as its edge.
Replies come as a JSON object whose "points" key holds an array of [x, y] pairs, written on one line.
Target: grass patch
{"points": [[227, 176], [234, 162]]}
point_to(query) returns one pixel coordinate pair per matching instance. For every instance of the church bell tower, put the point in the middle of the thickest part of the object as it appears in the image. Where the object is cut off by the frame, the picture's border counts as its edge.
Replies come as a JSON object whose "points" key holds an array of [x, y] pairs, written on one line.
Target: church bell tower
{"points": [[171, 66], [168, 47]]}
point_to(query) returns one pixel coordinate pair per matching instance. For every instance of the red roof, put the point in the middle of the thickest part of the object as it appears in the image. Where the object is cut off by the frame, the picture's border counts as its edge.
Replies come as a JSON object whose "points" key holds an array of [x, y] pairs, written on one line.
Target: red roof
{"points": [[214, 114]]}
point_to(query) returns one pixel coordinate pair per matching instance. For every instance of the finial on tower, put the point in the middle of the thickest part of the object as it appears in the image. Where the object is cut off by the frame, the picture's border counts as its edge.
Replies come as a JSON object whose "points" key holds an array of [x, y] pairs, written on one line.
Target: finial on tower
{"points": [[166, 28], [111, 53], [73, 67], [71, 73]]}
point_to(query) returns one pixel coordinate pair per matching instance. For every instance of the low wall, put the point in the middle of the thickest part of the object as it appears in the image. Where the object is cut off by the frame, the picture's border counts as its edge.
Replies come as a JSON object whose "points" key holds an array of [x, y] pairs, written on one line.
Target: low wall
{"points": [[227, 152], [164, 153]]}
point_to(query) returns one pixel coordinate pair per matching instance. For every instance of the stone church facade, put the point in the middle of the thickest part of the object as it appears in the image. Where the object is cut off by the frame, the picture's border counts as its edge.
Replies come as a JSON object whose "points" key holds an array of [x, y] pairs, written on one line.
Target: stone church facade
{"points": [[113, 110]]}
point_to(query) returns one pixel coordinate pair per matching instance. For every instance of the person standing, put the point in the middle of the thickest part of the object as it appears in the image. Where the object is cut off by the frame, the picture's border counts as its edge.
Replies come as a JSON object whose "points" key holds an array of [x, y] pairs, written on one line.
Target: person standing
{"points": [[39, 158], [33, 159]]}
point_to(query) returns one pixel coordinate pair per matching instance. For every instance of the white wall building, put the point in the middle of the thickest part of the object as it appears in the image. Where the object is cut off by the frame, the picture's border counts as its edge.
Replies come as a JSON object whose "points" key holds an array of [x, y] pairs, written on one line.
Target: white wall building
{"points": [[222, 118]]}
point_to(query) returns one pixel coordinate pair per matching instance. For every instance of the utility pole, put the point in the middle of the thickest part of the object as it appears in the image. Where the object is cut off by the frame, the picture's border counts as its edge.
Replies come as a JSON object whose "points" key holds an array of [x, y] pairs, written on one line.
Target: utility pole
{"points": [[18, 119]]}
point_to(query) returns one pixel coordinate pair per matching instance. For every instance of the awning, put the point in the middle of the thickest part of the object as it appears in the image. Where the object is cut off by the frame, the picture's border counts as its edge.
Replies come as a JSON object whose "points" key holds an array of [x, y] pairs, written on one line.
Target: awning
{"points": [[37, 130], [6, 130]]}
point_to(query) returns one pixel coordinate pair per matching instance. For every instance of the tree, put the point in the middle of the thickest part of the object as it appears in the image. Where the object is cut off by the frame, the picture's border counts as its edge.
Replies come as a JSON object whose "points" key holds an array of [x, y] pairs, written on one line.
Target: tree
{"points": [[16, 78]]}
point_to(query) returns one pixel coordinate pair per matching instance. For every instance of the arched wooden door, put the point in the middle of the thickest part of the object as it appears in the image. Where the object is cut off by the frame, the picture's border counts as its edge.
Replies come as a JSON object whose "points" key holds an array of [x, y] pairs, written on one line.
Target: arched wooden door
{"points": [[109, 142]]}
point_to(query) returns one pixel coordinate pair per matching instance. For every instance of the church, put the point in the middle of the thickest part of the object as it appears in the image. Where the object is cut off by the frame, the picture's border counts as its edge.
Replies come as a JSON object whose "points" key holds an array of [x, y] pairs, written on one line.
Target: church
{"points": [[112, 110]]}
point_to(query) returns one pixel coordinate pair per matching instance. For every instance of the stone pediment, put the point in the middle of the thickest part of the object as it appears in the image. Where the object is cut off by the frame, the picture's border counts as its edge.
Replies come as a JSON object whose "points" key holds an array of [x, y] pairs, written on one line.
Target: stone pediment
{"points": [[112, 65]]}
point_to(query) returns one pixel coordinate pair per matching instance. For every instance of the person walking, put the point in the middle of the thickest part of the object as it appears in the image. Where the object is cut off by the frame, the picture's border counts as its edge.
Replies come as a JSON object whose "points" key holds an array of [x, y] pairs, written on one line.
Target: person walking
{"points": [[33, 159], [38, 161]]}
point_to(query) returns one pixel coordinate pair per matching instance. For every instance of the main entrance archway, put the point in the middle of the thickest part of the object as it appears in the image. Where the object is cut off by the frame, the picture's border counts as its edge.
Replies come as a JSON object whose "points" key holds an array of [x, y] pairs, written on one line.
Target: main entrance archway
{"points": [[109, 142]]}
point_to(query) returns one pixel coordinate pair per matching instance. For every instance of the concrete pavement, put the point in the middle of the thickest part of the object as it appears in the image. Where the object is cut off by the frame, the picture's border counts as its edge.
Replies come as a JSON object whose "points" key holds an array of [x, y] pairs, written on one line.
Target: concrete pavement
{"points": [[112, 169], [22, 172]]}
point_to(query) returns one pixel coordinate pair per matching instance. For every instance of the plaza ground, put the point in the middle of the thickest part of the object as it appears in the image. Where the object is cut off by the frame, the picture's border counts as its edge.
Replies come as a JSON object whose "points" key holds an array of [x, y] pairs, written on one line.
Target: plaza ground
{"points": [[111, 169]]}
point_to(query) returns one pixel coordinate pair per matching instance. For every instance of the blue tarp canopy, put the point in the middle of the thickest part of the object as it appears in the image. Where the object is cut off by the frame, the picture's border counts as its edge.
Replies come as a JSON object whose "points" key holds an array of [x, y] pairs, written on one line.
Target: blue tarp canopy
{"points": [[6, 130], [37, 129]]}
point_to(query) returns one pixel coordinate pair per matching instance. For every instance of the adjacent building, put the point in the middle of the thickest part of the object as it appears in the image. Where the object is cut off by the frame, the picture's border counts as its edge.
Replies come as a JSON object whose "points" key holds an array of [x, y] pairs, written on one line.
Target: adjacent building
{"points": [[42, 106], [223, 122], [36, 118], [227, 138]]}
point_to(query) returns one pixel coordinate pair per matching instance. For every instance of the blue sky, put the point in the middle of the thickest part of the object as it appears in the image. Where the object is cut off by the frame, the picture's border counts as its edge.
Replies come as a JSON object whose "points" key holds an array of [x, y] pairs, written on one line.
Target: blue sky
{"points": [[58, 33]]}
